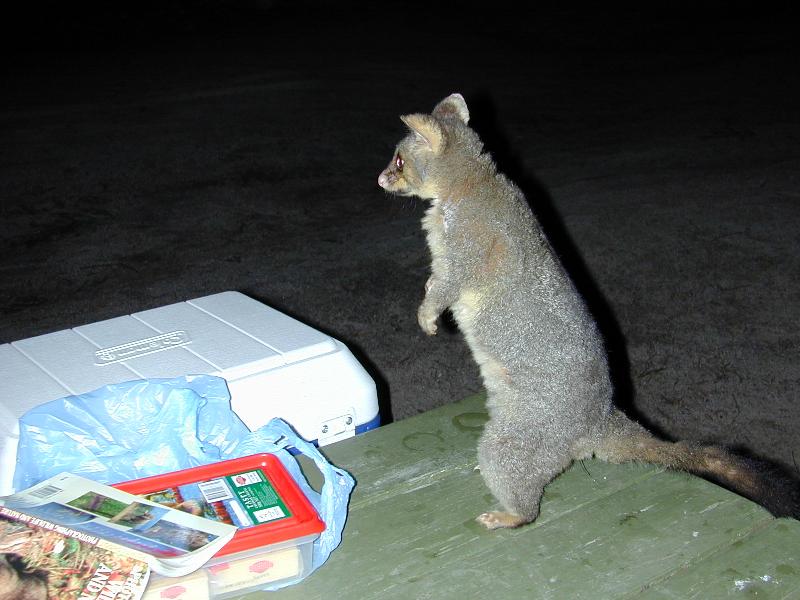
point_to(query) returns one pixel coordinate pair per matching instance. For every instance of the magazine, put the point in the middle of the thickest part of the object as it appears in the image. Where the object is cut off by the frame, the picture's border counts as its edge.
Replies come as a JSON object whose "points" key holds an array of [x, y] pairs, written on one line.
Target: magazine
{"points": [[42, 561], [86, 540]]}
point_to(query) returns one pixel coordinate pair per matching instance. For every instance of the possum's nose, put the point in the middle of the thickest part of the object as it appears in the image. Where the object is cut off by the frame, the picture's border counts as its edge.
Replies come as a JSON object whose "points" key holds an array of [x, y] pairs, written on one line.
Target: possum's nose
{"points": [[383, 180]]}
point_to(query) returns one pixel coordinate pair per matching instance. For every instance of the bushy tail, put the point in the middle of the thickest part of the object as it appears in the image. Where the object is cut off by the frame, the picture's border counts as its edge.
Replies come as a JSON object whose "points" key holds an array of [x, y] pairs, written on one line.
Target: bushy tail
{"points": [[768, 484]]}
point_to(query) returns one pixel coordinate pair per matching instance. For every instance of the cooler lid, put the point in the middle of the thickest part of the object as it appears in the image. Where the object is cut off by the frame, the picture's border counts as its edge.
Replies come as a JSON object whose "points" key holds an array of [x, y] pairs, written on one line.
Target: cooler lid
{"points": [[226, 334]]}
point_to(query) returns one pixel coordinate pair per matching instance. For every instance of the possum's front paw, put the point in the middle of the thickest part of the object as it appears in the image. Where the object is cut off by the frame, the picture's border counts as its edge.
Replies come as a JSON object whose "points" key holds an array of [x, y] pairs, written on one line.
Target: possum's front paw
{"points": [[427, 319], [426, 316], [497, 520], [429, 284]]}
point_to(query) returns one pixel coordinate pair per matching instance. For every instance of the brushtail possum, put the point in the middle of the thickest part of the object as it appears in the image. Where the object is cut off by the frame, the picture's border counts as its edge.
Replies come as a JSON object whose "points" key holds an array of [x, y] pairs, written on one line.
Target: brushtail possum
{"points": [[540, 354]]}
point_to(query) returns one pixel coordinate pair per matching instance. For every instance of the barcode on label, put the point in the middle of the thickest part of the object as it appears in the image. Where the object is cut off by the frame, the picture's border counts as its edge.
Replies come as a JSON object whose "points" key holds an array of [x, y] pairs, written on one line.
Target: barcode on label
{"points": [[46, 491], [268, 514], [215, 490]]}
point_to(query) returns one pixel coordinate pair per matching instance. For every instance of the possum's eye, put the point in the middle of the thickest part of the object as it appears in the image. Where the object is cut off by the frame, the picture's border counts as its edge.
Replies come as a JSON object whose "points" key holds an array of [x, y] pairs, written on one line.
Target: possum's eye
{"points": [[399, 162]]}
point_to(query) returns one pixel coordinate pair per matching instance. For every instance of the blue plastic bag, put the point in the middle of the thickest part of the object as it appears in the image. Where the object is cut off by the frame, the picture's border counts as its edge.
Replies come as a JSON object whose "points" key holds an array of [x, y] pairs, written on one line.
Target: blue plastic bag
{"points": [[149, 427]]}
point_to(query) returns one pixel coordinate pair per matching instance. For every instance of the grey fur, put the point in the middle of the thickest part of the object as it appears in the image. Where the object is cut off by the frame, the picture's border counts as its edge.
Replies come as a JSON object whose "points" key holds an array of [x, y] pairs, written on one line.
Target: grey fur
{"points": [[540, 354]]}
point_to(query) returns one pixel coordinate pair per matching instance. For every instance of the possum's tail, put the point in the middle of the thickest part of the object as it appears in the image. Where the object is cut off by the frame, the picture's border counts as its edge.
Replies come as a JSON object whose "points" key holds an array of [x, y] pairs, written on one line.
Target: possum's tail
{"points": [[769, 485]]}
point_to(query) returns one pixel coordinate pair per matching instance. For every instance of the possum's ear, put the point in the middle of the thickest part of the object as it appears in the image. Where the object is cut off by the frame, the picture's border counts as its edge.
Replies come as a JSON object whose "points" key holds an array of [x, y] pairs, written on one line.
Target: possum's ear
{"points": [[428, 131], [453, 106]]}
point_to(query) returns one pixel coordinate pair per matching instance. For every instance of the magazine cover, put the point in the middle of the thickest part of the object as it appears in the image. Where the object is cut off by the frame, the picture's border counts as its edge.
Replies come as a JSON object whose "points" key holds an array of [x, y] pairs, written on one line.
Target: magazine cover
{"points": [[40, 560], [172, 542]]}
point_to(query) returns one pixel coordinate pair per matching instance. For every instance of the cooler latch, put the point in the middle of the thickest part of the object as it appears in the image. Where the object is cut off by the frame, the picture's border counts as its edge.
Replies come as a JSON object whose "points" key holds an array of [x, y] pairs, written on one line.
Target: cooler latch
{"points": [[338, 428]]}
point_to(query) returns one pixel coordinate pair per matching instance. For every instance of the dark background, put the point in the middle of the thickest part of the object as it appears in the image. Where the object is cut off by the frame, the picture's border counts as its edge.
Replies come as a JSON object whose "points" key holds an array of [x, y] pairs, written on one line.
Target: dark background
{"points": [[156, 152]]}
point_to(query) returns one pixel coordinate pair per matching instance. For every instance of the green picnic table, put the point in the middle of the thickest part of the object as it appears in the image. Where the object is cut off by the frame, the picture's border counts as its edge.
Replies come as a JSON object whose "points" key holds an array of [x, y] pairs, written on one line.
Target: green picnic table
{"points": [[605, 531]]}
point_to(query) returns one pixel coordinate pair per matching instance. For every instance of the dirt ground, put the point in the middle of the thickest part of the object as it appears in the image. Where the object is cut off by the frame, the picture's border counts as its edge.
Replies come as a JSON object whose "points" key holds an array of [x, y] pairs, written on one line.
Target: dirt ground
{"points": [[172, 154]]}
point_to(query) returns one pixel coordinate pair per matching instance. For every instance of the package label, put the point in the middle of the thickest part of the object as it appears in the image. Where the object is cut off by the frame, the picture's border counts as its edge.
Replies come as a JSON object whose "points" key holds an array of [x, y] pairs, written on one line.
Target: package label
{"points": [[243, 499]]}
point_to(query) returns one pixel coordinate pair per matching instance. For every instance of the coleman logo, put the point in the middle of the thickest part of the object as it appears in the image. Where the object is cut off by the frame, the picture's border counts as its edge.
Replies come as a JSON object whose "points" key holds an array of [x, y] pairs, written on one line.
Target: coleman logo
{"points": [[165, 341]]}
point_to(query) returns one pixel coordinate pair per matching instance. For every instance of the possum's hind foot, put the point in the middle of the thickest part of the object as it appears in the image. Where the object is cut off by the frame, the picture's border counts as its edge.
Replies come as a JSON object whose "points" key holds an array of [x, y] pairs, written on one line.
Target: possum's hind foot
{"points": [[497, 520]]}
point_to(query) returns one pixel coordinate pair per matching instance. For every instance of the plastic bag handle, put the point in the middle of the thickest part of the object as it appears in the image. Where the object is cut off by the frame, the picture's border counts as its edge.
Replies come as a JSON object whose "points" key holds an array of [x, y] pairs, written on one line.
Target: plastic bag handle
{"points": [[331, 502]]}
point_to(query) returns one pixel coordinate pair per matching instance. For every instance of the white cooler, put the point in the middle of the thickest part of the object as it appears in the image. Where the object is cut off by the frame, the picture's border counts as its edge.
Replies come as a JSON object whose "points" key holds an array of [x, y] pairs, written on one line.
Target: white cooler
{"points": [[275, 366]]}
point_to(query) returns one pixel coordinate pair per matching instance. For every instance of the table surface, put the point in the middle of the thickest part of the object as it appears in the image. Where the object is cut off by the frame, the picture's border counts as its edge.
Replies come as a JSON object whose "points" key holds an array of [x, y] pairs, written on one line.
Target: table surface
{"points": [[605, 531]]}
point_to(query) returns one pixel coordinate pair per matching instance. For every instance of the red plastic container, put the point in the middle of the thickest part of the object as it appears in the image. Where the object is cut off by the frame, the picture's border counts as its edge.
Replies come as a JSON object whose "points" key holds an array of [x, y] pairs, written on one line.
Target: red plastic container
{"points": [[244, 491]]}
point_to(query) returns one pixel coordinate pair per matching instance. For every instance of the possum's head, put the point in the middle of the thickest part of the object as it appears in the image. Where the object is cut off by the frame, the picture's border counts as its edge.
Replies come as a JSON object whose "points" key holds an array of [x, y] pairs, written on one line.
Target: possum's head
{"points": [[20, 582], [415, 168]]}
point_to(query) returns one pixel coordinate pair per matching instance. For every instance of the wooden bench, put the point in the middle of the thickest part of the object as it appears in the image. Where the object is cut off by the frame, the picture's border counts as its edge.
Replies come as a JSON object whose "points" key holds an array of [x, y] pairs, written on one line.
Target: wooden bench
{"points": [[605, 531]]}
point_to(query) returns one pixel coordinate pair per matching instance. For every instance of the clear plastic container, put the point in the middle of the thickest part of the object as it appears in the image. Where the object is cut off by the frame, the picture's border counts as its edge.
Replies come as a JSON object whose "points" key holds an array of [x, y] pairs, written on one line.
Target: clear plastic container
{"points": [[277, 526]]}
